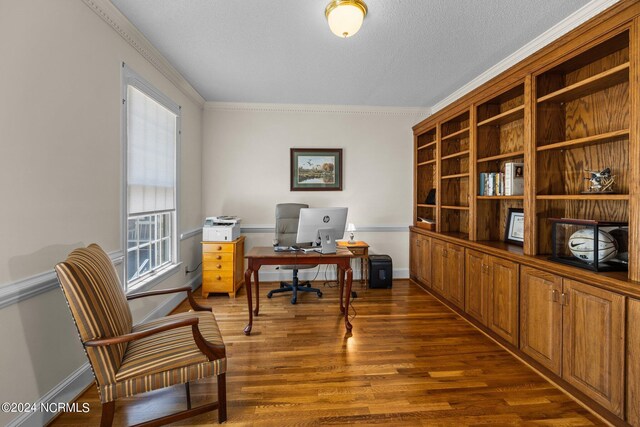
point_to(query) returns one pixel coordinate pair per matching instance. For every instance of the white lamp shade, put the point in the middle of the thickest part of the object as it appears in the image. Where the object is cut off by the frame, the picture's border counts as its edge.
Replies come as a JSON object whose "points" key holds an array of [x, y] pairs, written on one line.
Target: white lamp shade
{"points": [[345, 20], [351, 227]]}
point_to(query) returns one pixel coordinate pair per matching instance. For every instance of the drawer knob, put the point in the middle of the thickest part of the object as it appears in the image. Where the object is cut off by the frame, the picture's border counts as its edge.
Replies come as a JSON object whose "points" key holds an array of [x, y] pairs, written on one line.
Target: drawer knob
{"points": [[219, 266], [219, 257], [219, 248], [219, 278]]}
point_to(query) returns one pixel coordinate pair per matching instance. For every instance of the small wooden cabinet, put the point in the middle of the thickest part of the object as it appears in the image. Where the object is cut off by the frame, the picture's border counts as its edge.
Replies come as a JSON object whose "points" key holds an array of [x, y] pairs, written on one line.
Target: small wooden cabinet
{"points": [[593, 343], [447, 271], [541, 317], [576, 331], [492, 293], [222, 267], [633, 362], [420, 267]]}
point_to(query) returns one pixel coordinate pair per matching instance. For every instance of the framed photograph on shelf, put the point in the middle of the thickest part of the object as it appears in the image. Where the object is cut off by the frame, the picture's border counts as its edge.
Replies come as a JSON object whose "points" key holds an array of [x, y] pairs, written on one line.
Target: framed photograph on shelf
{"points": [[514, 232], [316, 169]]}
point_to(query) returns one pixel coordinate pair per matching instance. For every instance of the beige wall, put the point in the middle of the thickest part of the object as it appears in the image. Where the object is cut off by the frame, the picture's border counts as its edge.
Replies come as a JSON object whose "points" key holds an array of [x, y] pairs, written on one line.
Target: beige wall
{"points": [[246, 166], [60, 174]]}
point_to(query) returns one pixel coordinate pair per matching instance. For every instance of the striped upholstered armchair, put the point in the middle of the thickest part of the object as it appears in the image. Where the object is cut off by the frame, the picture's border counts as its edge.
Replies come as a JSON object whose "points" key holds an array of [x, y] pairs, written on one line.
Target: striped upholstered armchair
{"points": [[126, 359]]}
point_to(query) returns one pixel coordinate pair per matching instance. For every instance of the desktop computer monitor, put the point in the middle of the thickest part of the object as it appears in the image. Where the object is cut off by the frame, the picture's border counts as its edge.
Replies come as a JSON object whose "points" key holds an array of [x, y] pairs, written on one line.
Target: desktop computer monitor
{"points": [[323, 226]]}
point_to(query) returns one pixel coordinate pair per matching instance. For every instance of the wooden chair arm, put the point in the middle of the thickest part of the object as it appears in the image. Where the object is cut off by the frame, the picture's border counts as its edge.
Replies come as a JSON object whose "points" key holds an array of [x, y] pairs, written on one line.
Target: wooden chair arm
{"points": [[192, 302], [192, 321]]}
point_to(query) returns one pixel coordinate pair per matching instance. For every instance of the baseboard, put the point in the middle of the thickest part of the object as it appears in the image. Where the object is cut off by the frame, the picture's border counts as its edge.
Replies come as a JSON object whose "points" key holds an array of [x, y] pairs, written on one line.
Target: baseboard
{"points": [[71, 387]]}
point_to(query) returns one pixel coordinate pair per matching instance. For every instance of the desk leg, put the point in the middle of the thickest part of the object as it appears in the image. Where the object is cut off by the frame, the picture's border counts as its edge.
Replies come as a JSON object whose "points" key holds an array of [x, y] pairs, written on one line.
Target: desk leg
{"points": [[247, 283], [257, 282], [347, 298], [362, 269], [341, 287]]}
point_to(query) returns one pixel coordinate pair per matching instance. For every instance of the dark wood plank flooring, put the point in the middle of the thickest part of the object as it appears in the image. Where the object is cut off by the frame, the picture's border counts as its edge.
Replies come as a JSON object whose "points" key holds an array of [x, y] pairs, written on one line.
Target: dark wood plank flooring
{"points": [[409, 361]]}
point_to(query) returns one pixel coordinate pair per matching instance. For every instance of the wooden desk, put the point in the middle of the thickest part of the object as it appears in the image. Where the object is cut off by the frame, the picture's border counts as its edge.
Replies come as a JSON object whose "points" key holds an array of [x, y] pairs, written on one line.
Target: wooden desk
{"points": [[265, 255], [360, 250]]}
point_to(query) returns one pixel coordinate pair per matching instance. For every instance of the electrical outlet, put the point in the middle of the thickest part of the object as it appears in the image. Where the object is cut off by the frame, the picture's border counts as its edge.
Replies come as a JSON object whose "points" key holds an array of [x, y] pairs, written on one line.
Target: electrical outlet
{"points": [[186, 270]]}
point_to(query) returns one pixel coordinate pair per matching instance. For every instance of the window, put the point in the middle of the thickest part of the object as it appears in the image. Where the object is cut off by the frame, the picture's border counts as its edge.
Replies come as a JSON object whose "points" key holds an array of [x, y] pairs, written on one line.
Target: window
{"points": [[151, 137]]}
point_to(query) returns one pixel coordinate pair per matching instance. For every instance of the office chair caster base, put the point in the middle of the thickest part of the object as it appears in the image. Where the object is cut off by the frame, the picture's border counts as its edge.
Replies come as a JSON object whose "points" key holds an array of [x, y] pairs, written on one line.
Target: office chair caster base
{"points": [[319, 294]]}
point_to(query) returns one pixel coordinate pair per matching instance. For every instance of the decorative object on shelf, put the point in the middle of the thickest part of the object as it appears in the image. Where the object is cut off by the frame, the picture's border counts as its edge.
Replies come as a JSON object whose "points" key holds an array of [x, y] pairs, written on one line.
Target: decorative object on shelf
{"points": [[514, 232], [431, 197], [345, 16], [594, 245], [427, 224], [351, 228], [600, 181], [316, 169]]}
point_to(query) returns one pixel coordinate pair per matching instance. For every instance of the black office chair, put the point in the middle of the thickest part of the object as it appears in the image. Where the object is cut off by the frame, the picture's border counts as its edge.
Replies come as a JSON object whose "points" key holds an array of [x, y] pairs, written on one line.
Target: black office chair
{"points": [[287, 216]]}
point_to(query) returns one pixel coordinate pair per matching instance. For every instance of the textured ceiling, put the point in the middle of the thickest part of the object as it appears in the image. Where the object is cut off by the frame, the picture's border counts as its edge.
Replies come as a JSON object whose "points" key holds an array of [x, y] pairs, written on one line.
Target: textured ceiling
{"points": [[409, 53]]}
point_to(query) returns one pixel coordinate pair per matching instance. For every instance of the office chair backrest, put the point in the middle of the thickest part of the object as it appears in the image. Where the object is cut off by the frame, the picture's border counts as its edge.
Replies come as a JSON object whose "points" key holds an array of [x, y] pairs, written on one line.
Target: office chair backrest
{"points": [[287, 216]]}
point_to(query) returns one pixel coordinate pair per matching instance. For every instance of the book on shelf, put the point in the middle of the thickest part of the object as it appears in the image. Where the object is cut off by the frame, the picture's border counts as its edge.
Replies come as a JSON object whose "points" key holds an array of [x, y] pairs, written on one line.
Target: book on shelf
{"points": [[514, 179], [491, 184]]}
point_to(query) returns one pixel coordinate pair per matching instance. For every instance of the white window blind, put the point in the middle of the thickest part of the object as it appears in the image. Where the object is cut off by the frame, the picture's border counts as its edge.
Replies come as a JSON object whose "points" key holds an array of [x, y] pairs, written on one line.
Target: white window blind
{"points": [[151, 154]]}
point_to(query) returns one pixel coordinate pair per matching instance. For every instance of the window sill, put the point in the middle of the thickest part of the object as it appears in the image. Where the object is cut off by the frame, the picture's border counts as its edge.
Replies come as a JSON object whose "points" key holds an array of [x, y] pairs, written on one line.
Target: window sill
{"points": [[155, 279]]}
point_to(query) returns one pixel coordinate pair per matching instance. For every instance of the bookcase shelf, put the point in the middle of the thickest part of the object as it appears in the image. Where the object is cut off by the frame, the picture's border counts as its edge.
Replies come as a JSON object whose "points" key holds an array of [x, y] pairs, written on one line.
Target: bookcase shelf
{"points": [[588, 140], [601, 81], [428, 145], [462, 133], [583, 197], [428, 162], [503, 156], [503, 118], [456, 155], [458, 175], [500, 197]]}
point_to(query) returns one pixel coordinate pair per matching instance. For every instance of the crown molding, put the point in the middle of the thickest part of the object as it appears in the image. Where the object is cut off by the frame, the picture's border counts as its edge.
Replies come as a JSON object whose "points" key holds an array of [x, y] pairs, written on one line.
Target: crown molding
{"points": [[116, 20], [577, 18], [317, 108]]}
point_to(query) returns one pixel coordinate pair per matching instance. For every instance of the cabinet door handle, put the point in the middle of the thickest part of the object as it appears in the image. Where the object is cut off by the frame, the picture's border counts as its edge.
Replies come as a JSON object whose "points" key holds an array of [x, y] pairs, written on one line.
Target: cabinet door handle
{"points": [[564, 299], [554, 295]]}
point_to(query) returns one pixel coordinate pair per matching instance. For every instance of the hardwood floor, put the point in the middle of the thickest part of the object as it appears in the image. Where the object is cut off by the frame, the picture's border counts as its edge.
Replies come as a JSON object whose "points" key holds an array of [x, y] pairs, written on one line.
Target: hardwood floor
{"points": [[409, 361]]}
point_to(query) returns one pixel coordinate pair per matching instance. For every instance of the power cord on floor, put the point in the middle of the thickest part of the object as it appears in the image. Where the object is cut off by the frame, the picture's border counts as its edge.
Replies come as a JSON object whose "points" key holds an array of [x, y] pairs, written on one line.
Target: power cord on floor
{"points": [[187, 271]]}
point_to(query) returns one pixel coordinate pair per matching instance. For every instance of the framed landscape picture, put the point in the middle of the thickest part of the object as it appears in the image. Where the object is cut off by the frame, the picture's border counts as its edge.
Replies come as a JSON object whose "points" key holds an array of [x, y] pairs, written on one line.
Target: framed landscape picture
{"points": [[316, 169]]}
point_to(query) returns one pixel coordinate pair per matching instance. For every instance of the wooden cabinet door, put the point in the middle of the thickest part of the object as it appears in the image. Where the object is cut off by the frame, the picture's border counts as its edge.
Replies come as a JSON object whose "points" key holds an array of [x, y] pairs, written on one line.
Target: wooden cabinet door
{"points": [[633, 362], [593, 343], [541, 317], [424, 260], [503, 298], [438, 266], [414, 253], [454, 274], [476, 285]]}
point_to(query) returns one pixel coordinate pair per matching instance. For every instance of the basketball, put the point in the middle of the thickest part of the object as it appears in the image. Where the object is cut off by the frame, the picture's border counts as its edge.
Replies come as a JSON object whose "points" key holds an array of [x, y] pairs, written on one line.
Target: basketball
{"points": [[581, 245]]}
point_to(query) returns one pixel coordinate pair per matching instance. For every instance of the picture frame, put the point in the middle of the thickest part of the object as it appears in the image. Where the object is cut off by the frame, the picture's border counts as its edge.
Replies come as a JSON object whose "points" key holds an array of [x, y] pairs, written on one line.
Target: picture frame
{"points": [[316, 169], [514, 231]]}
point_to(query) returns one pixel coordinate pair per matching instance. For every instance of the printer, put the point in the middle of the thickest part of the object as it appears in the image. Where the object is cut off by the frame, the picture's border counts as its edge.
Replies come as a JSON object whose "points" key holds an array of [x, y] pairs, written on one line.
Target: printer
{"points": [[221, 229]]}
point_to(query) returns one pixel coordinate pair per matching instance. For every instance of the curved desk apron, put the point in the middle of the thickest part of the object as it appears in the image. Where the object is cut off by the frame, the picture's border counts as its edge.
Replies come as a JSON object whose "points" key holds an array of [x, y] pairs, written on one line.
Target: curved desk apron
{"points": [[265, 255]]}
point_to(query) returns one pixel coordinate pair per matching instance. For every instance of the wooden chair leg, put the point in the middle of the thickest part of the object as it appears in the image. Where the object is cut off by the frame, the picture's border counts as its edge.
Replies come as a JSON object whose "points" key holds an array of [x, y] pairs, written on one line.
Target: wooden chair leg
{"points": [[222, 398], [186, 386], [108, 411]]}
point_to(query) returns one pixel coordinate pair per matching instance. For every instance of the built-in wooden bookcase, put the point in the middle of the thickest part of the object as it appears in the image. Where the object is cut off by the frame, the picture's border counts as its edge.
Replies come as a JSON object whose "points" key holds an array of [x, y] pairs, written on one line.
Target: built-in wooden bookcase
{"points": [[582, 124], [454, 174], [500, 138], [426, 166]]}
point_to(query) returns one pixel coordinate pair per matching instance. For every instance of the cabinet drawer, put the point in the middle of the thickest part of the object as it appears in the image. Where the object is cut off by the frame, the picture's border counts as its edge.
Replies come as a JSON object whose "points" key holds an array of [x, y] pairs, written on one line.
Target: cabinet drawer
{"points": [[215, 258], [211, 277], [218, 266], [217, 247], [357, 251]]}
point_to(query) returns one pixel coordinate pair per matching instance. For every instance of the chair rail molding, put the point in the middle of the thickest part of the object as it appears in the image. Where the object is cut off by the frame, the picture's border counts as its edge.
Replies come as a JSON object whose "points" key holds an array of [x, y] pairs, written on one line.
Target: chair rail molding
{"points": [[116, 20], [70, 388], [29, 287], [572, 21], [270, 228]]}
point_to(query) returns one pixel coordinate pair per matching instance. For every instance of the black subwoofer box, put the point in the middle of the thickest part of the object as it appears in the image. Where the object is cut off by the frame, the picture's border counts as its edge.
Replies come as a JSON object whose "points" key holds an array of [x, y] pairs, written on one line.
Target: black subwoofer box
{"points": [[380, 271]]}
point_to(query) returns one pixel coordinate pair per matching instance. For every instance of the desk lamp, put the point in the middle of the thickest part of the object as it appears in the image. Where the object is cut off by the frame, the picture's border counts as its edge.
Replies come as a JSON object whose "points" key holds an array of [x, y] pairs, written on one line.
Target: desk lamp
{"points": [[351, 228]]}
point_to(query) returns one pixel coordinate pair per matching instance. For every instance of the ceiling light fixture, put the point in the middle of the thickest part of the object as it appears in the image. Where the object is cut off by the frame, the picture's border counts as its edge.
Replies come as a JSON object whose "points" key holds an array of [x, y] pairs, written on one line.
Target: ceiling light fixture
{"points": [[345, 16]]}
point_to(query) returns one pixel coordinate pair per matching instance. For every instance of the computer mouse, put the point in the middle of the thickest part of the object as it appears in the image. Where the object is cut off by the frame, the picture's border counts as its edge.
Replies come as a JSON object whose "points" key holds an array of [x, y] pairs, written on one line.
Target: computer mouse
{"points": [[295, 247]]}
